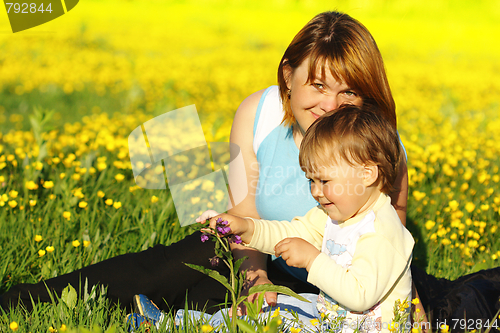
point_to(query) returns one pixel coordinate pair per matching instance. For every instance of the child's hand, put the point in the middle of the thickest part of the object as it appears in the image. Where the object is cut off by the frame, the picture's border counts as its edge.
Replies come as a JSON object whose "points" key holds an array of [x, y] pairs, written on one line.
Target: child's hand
{"points": [[235, 225], [206, 215], [296, 252]]}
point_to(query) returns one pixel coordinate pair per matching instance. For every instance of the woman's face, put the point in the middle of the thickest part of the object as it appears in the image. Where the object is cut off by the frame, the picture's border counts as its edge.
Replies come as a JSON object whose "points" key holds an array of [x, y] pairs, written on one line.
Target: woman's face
{"points": [[309, 100]]}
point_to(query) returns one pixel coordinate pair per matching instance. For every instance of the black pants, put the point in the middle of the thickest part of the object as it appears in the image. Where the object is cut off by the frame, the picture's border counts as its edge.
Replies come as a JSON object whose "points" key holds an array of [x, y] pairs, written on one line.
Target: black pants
{"points": [[472, 299], [158, 272]]}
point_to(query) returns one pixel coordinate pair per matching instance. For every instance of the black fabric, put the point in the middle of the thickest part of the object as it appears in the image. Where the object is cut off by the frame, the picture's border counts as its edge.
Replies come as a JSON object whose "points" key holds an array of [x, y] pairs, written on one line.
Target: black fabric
{"points": [[472, 298], [158, 272]]}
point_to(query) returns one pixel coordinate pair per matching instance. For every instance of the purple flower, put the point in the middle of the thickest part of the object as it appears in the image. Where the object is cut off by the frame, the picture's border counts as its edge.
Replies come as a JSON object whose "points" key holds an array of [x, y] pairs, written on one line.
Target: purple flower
{"points": [[214, 261], [235, 239], [204, 238], [223, 230]]}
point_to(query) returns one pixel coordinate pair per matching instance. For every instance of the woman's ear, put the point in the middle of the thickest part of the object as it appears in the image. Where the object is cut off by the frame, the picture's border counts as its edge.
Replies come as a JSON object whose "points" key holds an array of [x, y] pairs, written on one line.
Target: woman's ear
{"points": [[287, 73], [370, 174]]}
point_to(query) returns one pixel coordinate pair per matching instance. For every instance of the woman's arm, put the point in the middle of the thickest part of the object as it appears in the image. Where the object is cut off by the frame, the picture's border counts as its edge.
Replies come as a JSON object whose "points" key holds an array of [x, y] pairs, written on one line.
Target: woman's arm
{"points": [[399, 197], [399, 200], [242, 135]]}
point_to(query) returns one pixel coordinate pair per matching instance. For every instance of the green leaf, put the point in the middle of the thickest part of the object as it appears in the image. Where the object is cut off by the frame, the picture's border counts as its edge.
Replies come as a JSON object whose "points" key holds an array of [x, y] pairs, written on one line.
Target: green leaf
{"points": [[213, 274], [69, 296], [238, 263], [245, 326], [278, 289]]}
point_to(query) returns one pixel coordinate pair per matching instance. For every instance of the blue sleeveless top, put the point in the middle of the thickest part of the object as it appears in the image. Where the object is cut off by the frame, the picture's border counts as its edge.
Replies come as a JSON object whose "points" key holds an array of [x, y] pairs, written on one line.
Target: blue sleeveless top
{"points": [[283, 191]]}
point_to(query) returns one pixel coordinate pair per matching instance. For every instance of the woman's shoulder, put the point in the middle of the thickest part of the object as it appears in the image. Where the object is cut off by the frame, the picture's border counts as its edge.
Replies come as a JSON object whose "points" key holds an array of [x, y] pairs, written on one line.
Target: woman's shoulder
{"points": [[248, 107], [248, 110]]}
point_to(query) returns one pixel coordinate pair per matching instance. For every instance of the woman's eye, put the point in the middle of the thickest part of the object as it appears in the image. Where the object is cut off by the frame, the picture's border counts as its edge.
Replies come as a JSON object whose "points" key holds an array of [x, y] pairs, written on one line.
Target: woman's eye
{"points": [[320, 86], [350, 93]]}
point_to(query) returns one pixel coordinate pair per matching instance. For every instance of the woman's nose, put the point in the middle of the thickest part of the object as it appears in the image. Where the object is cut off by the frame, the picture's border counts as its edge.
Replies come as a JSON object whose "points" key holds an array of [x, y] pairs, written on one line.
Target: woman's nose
{"points": [[329, 103]]}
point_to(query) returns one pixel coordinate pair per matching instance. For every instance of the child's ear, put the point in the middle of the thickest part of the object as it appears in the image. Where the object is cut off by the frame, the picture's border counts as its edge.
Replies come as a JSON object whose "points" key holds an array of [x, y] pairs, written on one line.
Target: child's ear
{"points": [[370, 174]]}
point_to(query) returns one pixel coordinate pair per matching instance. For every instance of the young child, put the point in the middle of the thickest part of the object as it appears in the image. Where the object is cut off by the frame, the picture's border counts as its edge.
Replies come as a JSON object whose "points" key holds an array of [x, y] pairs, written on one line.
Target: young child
{"points": [[353, 245]]}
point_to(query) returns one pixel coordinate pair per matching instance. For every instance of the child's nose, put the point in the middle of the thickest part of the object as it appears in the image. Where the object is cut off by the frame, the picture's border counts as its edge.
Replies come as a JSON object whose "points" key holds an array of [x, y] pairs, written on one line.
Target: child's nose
{"points": [[316, 191]]}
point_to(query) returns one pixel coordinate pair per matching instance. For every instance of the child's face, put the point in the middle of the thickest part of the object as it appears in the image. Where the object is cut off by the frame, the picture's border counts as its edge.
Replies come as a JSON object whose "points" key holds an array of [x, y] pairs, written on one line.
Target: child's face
{"points": [[342, 190]]}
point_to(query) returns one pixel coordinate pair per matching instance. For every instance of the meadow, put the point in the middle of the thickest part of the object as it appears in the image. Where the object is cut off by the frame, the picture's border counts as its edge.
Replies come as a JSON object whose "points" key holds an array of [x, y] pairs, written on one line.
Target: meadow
{"points": [[72, 90]]}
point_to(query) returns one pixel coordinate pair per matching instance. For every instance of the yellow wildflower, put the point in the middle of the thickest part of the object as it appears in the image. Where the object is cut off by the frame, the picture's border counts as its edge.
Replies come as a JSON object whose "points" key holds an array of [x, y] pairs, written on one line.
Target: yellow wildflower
{"points": [[100, 194], [63, 328], [49, 249], [41, 253], [14, 326], [418, 195], [75, 243], [67, 215], [295, 330], [76, 176], [117, 204], [393, 327], [52, 329], [31, 185], [48, 184], [82, 204], [86, 243], [470, 207], [445, 328], [38, 238], [429, 224], [13, 203], [32, 203], [453, 204], [109, 202], [119, 177], [62, 175], [205, 328], [13, 194], [154, 199]]}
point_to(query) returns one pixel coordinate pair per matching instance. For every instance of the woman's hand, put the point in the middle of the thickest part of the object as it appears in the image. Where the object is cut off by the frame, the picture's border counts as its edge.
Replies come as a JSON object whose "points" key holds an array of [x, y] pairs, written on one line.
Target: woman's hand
{"points": [[296, 252], [255, 279]]}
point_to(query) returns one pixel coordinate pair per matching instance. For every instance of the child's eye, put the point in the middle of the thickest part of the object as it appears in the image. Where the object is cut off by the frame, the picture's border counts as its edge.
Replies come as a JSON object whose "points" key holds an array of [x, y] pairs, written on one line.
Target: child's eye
{"points": [[324, 181]]}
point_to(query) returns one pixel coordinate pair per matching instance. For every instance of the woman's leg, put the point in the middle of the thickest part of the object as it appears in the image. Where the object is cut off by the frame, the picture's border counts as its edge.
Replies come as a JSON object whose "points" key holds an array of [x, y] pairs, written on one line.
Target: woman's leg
{"points": [[474, 297], [158, 272]]}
